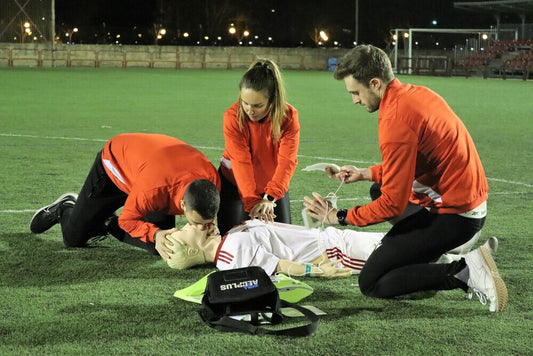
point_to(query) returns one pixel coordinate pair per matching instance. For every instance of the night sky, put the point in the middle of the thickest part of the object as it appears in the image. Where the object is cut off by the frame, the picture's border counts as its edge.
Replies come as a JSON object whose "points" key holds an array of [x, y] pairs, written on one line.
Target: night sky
{"points": [[289, 23]]}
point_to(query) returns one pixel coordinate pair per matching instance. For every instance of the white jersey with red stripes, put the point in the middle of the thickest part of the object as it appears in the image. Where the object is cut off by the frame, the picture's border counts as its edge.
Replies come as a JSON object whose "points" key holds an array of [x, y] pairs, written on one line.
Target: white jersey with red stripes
{"points": [[258, 244]]}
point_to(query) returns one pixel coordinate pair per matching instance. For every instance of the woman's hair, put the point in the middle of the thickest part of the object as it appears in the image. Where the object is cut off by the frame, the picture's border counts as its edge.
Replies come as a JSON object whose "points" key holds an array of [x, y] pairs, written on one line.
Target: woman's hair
{"points": [[363, 63], [264, 75]]}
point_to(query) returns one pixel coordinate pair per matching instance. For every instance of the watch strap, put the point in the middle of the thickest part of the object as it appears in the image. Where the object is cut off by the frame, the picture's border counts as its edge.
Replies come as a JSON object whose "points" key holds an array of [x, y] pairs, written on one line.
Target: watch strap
{"points": [[269, 198], [341, 216]]}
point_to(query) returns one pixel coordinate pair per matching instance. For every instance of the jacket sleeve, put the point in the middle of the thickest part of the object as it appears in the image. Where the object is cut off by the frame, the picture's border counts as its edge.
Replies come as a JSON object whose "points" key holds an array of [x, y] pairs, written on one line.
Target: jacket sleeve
{"points": [[397, 173], [287, 157], [239, 153], [131, 217], [376, 173]]}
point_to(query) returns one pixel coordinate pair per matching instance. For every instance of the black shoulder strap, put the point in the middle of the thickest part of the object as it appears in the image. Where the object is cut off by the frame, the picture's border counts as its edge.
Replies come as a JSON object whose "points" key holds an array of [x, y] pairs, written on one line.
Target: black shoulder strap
{"points": [[229, 324]]}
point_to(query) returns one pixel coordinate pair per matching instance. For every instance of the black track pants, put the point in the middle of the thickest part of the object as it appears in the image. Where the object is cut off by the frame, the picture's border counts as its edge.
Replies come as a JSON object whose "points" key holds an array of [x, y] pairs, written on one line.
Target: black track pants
{"points": [[98, 200], [401, 264]]}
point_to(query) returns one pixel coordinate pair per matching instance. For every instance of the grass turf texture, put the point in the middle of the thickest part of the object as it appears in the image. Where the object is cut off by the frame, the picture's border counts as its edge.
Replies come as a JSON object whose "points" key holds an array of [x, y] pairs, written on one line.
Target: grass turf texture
{"points": [[115, 299]]}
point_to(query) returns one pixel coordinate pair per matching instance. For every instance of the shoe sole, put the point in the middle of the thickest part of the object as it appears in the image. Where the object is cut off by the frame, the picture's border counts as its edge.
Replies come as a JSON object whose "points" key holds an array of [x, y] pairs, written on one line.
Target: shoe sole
{"points": [[501, 289], [492, 244], [62, 197]]}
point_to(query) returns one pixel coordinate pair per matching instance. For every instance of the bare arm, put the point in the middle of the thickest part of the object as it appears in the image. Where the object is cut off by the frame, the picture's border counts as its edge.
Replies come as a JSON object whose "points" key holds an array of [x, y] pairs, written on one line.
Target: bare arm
{"points": [[326, 269], [349, 174]]}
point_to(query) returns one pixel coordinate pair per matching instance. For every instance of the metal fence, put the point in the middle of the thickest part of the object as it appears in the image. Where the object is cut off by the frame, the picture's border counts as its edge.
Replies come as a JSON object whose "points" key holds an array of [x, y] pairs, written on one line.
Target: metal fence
{"points": [[26, 21]]}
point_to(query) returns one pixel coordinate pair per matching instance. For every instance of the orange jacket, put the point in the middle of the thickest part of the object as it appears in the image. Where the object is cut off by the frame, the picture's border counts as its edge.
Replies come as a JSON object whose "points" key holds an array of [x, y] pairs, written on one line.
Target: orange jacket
{"points": [[254, 161], [154, 170], [428, 157]]}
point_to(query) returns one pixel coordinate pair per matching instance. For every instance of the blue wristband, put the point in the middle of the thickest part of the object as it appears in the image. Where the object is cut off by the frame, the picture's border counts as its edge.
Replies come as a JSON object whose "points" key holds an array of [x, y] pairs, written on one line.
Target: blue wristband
{"points": [[308, 270]]}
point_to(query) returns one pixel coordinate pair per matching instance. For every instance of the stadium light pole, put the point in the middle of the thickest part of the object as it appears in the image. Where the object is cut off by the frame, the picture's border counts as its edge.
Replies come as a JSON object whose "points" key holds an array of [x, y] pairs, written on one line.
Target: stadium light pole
{"points": [[410, 50], [53, 32], [395, 37], [356, 22]]}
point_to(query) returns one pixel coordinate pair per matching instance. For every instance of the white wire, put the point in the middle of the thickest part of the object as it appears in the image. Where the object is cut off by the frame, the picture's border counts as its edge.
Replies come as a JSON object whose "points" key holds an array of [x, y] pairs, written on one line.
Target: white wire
{"points": [[331, 196], [330, 207]]}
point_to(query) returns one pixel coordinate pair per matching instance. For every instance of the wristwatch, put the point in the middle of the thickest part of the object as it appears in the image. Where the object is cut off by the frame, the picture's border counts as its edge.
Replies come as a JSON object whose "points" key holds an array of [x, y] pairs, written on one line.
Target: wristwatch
{"points": [[269, 198], [341, 216]]}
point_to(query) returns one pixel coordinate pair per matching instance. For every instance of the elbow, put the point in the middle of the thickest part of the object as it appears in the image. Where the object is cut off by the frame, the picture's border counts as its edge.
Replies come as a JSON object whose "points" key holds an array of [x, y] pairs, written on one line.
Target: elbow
{"points": [[396, 211], [393, 209]]}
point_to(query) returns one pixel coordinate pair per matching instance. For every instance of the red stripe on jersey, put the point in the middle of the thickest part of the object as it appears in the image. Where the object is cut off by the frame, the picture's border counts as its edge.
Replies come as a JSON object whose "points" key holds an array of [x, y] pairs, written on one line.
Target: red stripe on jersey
{"points": [[224, 256], [255, 255], [345, 260]]}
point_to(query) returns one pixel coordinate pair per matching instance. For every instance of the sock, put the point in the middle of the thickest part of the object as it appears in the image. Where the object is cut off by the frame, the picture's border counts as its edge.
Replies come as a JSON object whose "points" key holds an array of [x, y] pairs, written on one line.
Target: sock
{"points": [[463, 275]]}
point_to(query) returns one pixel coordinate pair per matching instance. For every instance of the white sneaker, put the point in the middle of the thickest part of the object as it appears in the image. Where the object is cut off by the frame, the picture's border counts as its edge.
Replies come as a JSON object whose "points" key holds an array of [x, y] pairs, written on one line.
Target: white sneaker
{"points": [[485, 280], [492, 245]]}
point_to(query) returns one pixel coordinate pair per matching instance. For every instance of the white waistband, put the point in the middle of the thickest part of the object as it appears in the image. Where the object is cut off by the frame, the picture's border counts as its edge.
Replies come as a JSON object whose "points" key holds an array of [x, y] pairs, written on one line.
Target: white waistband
{"points": [[478, 212]]}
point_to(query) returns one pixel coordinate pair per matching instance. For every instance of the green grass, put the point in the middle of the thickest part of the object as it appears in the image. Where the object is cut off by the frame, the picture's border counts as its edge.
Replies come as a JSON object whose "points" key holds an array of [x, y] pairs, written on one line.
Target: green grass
{"points": [[114, 299]]}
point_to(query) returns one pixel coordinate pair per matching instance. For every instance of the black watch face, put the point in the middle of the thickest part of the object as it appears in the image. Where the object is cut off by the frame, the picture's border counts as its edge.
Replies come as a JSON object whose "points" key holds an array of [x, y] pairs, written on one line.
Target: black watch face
{"points": [[341, 216]]}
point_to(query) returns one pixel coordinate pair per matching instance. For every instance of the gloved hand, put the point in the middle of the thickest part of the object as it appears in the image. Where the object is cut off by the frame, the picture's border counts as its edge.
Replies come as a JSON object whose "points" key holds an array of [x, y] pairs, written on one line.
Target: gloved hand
{"points": [[330, 271]]}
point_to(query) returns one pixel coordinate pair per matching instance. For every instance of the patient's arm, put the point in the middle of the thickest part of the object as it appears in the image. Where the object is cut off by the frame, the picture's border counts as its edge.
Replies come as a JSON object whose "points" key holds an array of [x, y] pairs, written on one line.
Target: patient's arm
{"points": [[321, 267]]}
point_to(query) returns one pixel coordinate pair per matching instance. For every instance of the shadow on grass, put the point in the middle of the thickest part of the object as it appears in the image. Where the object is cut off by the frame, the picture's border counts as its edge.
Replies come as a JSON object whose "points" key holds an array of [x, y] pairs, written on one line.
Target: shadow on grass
{"points": [[338, 302], [105, 324], [42, 260], [405, 309]]}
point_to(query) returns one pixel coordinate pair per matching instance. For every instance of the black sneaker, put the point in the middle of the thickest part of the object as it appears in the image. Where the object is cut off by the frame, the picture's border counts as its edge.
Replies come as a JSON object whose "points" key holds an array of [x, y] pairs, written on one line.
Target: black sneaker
{"points": [[49, 215]]}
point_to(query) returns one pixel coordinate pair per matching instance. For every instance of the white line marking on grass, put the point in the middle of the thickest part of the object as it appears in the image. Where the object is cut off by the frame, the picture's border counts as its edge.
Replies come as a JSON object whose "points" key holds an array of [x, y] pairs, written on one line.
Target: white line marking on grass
{"points": [[507, 193], [510, 182], [221, 149], [11, 211], [54, 137], [23, 211], [336, 159], [208, 148], [339, 199], [87, 139]]}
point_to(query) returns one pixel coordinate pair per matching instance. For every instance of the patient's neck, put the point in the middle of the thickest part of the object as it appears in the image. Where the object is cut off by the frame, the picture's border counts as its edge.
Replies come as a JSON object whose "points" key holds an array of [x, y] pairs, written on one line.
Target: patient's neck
{"points": [[210, 248]]}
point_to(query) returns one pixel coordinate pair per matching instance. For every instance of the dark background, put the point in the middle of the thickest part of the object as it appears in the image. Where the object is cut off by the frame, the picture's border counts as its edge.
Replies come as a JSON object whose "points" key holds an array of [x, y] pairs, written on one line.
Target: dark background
{"points": [[293, 23]]}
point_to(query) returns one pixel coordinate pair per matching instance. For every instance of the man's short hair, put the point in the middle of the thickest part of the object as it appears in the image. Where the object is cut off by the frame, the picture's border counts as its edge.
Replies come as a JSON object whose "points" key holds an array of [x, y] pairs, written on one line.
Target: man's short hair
{"points": [[202, 196], [363, 63]]}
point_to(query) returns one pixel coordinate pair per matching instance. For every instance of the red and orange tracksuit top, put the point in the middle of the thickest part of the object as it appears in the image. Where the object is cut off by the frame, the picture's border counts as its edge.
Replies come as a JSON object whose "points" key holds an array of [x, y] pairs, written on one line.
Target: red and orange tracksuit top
{"points": [[428, 157], [253, 161], [154, 171]]}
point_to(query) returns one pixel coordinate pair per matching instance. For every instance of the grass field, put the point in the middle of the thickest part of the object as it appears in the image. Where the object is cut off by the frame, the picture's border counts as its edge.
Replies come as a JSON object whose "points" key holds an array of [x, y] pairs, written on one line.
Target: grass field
{"points": [[113, 299]]}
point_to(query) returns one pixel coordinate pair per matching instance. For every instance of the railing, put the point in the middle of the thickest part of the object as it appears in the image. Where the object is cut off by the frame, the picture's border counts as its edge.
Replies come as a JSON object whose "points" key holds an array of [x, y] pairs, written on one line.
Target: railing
{"points": [[425, 65]]}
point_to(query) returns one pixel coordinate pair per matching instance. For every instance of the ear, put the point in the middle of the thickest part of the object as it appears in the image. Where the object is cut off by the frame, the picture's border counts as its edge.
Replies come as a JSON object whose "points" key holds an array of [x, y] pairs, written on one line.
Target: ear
{"points": [[375, 83], [182, 205]]}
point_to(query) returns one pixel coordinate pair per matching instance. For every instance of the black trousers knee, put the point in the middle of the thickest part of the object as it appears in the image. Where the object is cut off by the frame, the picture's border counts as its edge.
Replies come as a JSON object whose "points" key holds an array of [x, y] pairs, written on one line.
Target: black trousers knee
{"points": [[401, 264], [97, 202]]}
